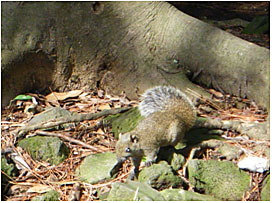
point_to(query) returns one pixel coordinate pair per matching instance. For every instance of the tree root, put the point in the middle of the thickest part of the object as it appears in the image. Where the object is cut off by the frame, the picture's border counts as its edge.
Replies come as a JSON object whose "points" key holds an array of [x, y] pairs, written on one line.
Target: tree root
{"points": [[259, 131]]}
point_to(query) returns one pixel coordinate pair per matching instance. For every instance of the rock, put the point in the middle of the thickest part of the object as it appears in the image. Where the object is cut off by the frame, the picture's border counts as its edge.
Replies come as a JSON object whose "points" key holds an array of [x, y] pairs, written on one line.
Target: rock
{"points": [[132, 190], [103, 193], [262, 149], [229, 152], [48, 196], [265, 193], [183, 195], [173, 158], [97, 167], [159, 176], [50, 149], [8, 168], [212, 144], [177, 161], [10, 171], [256, 131], [222, 179]]}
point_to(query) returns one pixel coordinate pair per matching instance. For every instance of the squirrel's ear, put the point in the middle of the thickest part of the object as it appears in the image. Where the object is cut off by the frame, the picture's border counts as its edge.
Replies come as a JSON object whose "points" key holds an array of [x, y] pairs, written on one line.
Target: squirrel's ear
{"points": [[134, 138], [124, 137], [121, 137]]}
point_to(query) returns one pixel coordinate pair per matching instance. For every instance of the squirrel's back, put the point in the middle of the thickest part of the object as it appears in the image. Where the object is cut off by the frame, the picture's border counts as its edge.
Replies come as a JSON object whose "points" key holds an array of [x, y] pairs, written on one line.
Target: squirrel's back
{"points": [[168, 99]]}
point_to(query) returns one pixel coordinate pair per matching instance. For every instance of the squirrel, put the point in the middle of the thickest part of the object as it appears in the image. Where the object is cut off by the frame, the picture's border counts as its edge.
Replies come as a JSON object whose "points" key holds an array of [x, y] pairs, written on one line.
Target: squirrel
{"points": [[168, 113]]}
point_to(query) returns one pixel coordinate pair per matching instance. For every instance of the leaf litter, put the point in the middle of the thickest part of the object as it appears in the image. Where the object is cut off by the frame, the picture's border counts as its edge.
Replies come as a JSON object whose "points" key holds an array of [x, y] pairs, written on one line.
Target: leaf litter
{"points": [[38, 176]]}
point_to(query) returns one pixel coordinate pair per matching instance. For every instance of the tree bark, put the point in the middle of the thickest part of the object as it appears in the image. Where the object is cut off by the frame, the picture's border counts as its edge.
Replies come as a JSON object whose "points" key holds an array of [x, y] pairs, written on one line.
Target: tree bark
{"points": [[123, 46]]}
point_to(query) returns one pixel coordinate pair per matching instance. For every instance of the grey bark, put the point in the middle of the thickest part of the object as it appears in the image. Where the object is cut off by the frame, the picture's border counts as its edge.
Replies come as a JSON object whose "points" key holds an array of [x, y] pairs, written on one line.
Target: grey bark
{"points": [[123, 46]]}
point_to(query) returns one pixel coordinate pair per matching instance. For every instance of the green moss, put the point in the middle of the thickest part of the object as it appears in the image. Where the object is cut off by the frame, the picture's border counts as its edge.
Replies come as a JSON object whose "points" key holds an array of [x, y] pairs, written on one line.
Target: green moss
{"points": [[265, 194], [8, 168], [160, 176], [48, 196], [50, 149], [124, 122], [172, 156], [183, 195], [222, 179]]}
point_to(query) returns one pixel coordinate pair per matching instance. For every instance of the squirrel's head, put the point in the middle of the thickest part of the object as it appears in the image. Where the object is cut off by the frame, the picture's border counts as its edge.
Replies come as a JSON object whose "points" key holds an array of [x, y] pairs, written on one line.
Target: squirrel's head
{"points": [[127, 146]]}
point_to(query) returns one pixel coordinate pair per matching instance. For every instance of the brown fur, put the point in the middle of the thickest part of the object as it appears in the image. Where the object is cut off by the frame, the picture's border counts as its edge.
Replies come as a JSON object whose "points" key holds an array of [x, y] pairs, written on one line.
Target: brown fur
{"points": [[169, 116]]}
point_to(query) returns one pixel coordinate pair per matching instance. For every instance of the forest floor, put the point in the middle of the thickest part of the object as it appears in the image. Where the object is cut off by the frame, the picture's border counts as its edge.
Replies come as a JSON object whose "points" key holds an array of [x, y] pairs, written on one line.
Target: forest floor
{"points": [[102, 137]]}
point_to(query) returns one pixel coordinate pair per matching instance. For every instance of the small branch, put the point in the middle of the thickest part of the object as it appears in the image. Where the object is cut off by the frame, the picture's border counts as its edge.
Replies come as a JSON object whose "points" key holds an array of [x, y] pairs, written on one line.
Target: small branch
{"points": [[74, 118], [72, 140]]}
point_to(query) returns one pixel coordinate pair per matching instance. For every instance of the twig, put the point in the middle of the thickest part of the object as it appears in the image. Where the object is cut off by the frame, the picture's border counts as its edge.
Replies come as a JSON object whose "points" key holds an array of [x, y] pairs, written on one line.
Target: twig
{"points": [[190, 157], [136, 194], [74, 118], [207, 100], [39, 132], [57, 100]]}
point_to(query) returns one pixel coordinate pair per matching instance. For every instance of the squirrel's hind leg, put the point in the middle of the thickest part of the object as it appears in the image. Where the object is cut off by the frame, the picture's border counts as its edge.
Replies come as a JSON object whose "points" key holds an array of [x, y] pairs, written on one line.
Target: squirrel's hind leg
{"points": [[175, 132]]}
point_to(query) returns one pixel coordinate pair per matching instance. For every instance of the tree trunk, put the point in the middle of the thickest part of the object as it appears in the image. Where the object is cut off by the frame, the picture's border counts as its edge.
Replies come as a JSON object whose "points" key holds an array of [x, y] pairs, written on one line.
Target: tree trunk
{"points": [[123, 46]]}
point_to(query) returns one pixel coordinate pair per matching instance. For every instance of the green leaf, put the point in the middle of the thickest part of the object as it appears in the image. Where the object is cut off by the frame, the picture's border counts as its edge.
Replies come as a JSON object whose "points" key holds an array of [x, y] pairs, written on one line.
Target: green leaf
{"points": [[259, 25], [22, 97]]}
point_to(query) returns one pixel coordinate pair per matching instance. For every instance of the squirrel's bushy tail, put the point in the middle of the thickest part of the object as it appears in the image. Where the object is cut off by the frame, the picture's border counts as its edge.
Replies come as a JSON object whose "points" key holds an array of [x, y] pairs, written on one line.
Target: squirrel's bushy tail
{"points": [[167, 98], [160, 98]]}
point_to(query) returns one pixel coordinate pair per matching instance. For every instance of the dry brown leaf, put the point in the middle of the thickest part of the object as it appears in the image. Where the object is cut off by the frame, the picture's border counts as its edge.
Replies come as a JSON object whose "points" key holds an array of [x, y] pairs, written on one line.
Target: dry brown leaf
{"points": [[54, 96], [104, 106], [39, 189], [81, 106], [74, 109], [117, 105], [216, 93], [15, 189], [100, 131]]}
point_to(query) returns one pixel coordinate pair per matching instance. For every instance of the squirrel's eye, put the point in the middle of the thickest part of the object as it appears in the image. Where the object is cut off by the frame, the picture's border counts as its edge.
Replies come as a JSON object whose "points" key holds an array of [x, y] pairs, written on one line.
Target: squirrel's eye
{"points": [[127, 149]]}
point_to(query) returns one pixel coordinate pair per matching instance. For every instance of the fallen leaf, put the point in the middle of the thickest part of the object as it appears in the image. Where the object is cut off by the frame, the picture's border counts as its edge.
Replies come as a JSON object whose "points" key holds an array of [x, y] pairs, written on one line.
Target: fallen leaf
{"points": [[22, 97], [100, 131], [216, 93], [117, 105], [54, 96], [39, 189], [104, 106]]}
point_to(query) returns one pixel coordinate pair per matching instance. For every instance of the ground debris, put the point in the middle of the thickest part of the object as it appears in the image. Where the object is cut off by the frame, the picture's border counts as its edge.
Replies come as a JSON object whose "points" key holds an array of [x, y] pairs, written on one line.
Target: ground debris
{"points": [[87, 137]]}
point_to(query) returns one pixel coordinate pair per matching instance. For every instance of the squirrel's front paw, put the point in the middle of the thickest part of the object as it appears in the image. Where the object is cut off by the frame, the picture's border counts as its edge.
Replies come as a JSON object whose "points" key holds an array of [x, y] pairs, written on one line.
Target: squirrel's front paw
{"points": [[148, 163], [131, 176], [134, 174]]}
